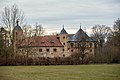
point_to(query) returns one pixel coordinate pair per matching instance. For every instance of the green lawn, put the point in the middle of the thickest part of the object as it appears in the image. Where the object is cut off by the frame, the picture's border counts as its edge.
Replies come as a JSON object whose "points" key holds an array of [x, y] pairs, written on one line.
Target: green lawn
{"points": [[65, 72]]}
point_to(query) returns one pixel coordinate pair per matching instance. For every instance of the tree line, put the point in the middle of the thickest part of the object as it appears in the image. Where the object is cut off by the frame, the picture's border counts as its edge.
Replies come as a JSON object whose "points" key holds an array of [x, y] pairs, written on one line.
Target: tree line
{"points": [[107, 50]]}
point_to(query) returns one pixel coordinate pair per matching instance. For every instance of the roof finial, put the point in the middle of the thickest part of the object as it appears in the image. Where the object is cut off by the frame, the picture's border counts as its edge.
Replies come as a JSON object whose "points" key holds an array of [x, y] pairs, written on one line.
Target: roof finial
{"points": [[17, 22], [80, 25], [85, 29], [63, 25]]}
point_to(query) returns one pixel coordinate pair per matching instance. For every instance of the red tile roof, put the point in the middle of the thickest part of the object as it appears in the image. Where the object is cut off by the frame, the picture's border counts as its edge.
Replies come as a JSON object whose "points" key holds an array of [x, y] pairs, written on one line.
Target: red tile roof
{"points": [[42, 41]]}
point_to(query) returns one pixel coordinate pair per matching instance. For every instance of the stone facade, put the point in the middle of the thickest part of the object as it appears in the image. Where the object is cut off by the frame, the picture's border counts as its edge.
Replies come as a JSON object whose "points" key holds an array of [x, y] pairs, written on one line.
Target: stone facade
{"points": [[60, 45]]}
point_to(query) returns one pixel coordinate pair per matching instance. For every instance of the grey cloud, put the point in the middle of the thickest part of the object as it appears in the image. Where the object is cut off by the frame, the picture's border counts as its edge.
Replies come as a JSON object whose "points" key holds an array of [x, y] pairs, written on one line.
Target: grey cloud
{"points": [[70, 12]]}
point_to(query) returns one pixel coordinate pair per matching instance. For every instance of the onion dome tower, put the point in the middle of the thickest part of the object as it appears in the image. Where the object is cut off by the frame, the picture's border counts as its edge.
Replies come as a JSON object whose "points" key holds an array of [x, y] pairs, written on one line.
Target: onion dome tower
{"points": [[17, 34]]}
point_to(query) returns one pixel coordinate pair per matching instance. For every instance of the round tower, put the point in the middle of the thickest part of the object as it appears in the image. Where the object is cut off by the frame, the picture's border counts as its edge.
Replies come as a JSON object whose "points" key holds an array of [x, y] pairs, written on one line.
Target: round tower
{"points": [[17, 38], [17, 34]]}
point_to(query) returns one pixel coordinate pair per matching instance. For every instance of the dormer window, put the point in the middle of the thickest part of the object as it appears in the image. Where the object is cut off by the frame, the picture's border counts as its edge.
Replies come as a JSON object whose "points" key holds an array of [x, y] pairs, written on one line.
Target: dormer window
{"points": [[57, 34], [58, 38], [52, 42], [42, 42]]}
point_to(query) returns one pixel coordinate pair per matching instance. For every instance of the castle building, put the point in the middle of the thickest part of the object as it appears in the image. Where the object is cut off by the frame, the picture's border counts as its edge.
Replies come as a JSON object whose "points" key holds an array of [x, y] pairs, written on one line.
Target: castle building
{"points": [[59, 45]]}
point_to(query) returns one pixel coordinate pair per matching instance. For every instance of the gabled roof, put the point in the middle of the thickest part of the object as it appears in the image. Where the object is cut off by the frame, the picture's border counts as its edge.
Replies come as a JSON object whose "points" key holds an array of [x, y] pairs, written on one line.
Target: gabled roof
{"points": [[42, 41], [79, 35], [63, 31]]}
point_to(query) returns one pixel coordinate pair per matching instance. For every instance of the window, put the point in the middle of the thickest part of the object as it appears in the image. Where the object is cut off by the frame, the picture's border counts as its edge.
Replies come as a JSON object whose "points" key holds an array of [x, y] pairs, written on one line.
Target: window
{"points": [[42, 42], [63, 55], [71, 50], [16, 33], [90, 44], [63, 50], [55, 50], [57, 34], [40, 50], [52, 42], [63, 43], [90, 50], [47, 50], [68, 48], [95, 45], [72, 44], [63, 37], [58, 38]]}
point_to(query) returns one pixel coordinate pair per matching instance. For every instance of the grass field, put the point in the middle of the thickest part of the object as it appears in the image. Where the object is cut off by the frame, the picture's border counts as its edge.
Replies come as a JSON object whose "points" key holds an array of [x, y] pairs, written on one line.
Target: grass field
{"points": [[65, 72]]}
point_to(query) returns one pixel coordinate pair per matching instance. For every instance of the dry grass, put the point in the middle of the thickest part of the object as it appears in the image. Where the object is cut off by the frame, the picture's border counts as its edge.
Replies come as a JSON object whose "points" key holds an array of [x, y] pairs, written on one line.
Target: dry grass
{"points": [[66, 72]]}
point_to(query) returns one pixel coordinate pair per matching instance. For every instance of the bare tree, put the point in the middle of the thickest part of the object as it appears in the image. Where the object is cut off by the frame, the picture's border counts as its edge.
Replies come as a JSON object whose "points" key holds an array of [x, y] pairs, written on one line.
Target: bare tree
{"points": [[115, 40], [5, 50], [81, 49], [54, 33], [116, 26], [101, 32], [39, 30], [80, 56], [27, 30], [9, 17]]}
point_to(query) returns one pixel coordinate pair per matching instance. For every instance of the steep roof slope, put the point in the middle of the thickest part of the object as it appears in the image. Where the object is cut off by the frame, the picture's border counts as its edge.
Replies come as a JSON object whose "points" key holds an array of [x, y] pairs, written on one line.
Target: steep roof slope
{"points": [[42, 41], [79, 35], [63, 31]]}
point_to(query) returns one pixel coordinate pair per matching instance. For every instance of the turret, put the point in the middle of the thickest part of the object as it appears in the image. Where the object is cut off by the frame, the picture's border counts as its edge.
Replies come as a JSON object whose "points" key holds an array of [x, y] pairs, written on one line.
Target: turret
{"points": [[63, 31], [17, 33]]}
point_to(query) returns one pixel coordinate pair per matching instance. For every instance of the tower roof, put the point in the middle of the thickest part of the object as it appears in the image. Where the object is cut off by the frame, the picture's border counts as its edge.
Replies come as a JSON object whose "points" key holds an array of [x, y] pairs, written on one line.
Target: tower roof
{"points": [[63, 31], [17, 27], [79, 35]]}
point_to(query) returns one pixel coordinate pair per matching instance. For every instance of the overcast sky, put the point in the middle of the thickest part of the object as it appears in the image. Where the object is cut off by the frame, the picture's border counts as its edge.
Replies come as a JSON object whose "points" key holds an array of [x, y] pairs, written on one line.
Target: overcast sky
{"points": [[52, 14]]}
